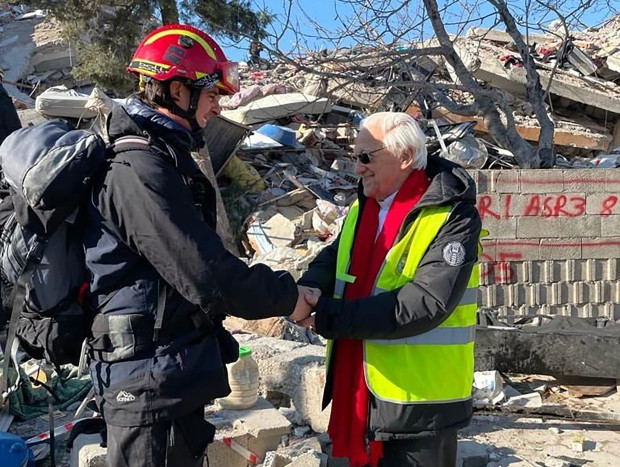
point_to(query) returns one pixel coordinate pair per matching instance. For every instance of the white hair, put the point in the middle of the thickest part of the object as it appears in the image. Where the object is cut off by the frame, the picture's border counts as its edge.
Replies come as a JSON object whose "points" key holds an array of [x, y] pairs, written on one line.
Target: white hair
{"points": [[401, 132]]}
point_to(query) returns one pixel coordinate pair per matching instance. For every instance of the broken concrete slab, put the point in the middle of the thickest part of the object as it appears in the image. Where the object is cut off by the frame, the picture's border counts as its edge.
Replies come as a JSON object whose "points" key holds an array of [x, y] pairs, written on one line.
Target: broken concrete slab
{"points": [[502, 37], [613, 62], [54, 58], [483, 61], [87, 452], [278, 106], [578, 133]]}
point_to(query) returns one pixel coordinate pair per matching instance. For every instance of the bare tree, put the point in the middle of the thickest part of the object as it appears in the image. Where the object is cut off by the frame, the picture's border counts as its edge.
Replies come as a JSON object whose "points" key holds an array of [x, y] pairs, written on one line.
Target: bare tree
{"points": [[378, 51]]}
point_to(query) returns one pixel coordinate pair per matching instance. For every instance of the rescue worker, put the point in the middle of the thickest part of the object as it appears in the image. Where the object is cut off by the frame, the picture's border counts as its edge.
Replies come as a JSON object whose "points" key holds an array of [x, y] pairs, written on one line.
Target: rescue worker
{"points": [[9, 120], [161, 279], [399, 302]]}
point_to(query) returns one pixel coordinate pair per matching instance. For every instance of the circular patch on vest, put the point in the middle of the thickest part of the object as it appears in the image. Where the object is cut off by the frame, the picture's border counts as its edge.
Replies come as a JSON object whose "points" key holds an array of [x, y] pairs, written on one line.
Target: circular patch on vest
{"points": [[454, 254]]}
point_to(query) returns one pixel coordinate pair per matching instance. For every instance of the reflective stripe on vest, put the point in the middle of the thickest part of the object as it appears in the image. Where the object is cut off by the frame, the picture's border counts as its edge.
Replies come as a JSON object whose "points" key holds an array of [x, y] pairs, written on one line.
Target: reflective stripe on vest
{"points": [[436, 366]]}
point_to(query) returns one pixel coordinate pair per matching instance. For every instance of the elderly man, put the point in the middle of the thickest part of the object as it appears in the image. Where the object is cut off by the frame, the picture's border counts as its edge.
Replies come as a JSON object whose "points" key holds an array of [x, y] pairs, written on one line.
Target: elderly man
{"points": [[399, 302]]}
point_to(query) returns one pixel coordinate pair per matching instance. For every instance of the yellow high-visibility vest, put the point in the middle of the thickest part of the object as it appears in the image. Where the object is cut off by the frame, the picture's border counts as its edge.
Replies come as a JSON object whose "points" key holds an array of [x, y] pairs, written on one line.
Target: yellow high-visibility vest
{"points": [[436, 366]]}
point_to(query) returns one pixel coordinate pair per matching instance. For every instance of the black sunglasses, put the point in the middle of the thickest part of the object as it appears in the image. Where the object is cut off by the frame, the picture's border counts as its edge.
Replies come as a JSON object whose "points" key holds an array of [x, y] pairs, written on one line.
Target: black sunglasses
{"points": [[364, 157]]}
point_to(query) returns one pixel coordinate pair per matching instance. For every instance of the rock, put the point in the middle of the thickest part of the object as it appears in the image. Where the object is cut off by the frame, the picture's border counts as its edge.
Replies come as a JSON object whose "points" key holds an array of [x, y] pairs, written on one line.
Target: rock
{"points": [[273, 459], [471, 454], [310, 459], [301, 431], [302, 447], [531, 400]]}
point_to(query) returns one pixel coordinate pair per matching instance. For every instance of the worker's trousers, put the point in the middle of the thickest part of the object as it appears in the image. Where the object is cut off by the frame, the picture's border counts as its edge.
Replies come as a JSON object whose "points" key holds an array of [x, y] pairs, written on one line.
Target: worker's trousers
{"points": [[435, 451], [173, 443]]}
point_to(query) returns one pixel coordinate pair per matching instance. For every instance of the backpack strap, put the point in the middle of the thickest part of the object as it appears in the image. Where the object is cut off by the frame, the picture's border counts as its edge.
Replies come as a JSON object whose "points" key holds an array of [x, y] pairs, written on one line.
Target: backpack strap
{"points": [[128, 143], [33, 259]]}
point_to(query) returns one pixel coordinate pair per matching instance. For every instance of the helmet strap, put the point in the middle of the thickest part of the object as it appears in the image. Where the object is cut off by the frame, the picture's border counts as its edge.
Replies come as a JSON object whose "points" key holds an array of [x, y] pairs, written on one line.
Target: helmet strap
{"points": [[190, 113]]}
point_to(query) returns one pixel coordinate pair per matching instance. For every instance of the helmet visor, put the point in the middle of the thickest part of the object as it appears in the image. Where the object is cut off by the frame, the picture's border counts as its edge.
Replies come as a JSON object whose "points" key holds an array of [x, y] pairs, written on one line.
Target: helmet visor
{"points": [[229, 76], [225, 77]]}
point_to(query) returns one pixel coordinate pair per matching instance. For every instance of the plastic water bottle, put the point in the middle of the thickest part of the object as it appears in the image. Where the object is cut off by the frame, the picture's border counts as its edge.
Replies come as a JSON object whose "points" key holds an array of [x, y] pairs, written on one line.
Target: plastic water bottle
{"points": [[243, 379]]}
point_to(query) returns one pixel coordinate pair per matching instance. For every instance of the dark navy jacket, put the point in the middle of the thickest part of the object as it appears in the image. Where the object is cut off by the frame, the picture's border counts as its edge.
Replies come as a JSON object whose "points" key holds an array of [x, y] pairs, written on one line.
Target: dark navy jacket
{"points": [[144, 231]]}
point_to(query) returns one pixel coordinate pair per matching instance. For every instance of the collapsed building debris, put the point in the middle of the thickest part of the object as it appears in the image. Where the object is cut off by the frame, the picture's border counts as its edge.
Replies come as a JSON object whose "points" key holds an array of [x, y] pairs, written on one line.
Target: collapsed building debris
{"points": [[281, 156]]}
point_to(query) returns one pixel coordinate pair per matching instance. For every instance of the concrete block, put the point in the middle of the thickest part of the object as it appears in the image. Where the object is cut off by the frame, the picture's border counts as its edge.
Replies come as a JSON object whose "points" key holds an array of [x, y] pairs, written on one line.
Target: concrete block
{"points": [[500, 228], [506, 181], [548, 294], [610, 226], [568, 270], [612, 310], [561, 291], [611, 291], [551, 271], [612, 180], [489, 248], [487, 273], [87, 452], [524, 271], [578, 293], [541, 181], [594, 270], [487, 296], [611, 269], [608, 247], [597, 203], [560, 227], [560, 248], [584, 181], [220, 455], [519, 250], [258, 429]]}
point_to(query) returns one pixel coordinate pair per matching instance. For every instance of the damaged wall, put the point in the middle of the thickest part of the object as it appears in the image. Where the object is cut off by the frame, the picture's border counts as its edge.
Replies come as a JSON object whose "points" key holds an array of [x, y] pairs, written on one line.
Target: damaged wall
{"points": [[554, 242]]}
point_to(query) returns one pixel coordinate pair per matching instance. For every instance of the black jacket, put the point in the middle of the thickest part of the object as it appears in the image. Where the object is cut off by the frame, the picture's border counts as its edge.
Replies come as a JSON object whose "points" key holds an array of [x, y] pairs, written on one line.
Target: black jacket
{"points": [[9, 120], [150, 228], [413, 309]]}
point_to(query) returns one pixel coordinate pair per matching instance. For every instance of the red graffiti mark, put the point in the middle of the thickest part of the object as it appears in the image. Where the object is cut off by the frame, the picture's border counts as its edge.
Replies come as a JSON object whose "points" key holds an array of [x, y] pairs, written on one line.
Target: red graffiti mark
{"points": [[512, 243], [507, 206], [502, 271], [550, 181], [579, 204], [608, 204], [485, 207], [547, 210], [533, 208]]}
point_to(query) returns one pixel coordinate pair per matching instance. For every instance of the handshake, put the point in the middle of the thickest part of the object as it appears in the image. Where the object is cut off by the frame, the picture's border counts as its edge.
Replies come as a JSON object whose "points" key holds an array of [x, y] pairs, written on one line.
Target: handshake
{"points": [[307, 300]]}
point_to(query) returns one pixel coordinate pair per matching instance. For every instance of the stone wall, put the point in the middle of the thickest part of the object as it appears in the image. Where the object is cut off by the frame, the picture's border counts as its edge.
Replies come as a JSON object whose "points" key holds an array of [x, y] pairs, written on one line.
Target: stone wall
{"points": [[554, 242]]}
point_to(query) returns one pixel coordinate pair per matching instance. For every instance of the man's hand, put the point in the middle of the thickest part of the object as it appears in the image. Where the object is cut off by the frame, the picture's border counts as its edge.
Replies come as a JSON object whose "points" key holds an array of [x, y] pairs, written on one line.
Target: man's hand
{"points": [[308, 298]]}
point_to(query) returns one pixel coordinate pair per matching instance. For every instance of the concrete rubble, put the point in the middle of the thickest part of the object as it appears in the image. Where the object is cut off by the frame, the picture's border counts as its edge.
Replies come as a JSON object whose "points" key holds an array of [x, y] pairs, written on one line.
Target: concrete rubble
{"points": [[286, 177]]}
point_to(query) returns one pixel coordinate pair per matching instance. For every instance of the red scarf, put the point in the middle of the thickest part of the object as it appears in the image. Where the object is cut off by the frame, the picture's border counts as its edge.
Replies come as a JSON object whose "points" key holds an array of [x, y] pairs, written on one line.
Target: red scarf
{"points": [[348, 423]]}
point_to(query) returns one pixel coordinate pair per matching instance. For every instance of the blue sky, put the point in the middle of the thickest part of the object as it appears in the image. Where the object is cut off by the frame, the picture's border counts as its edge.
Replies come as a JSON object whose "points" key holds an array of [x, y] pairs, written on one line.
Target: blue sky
{"points": [[325, 14]]}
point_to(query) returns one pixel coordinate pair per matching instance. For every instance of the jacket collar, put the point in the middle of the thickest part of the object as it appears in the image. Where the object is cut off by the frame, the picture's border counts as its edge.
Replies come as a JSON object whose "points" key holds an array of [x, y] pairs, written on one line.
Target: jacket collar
{"points": [[137, 118]]}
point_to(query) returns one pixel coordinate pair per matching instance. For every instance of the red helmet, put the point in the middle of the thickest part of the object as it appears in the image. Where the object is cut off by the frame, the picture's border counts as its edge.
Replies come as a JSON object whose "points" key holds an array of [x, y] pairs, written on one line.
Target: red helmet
{"points": [[187, 54]]}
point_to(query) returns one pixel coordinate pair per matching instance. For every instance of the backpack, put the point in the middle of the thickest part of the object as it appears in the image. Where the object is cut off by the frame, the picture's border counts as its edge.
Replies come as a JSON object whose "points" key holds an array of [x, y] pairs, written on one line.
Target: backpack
{"points": [[48, 170]]}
